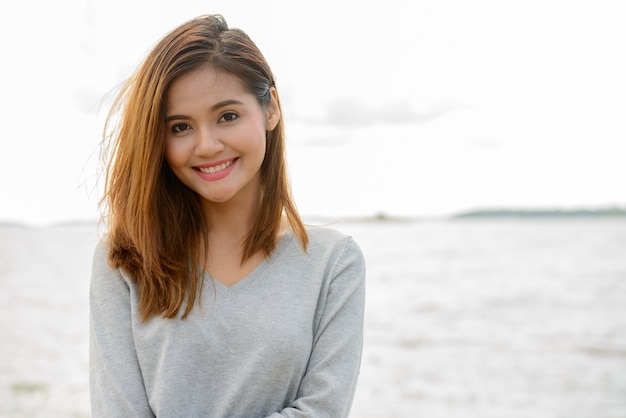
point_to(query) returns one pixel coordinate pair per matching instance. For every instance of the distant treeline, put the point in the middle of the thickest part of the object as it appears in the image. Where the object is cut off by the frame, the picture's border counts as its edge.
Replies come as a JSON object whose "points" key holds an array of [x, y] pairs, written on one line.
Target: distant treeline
{"points": [[612, 212]]}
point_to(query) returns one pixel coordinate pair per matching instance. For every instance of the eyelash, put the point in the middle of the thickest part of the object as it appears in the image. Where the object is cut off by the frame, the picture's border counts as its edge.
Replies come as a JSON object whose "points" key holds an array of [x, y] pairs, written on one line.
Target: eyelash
{"points": [[176, 128], [226, 117], [231, 115]]}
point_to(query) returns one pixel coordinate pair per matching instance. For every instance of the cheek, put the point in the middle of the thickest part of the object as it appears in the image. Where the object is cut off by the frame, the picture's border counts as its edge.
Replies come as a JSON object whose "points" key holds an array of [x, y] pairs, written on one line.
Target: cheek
{"points": [[257, 135], [174, 154], [258, 146]]}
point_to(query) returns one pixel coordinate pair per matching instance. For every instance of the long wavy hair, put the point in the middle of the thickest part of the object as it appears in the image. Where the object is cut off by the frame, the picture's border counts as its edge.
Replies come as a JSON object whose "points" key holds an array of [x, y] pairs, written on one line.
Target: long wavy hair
{"points": [[157, 230]]}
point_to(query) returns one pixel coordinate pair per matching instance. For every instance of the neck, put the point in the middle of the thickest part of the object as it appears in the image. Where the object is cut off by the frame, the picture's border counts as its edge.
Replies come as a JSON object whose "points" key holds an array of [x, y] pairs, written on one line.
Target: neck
{"points": [[228, 219], [229, 224], [235, 216]]}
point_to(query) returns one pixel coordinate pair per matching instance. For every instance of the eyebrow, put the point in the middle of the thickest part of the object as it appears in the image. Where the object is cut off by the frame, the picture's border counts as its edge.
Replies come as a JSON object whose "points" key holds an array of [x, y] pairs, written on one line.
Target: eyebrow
{"points": [[213, 108]]}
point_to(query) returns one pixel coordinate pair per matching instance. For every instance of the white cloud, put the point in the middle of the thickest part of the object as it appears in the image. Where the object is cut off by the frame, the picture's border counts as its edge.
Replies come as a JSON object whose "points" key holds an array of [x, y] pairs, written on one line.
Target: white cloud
{"points": [[542, 82]]}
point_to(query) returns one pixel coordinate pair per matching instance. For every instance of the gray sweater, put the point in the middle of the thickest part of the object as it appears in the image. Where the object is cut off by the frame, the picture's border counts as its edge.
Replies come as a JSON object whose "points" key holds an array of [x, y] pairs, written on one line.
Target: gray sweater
{"points": [[285, 341]]}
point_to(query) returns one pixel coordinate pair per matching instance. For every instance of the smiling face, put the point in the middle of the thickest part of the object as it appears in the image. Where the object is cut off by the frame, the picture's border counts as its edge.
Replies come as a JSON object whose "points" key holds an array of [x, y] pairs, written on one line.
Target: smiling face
{"points": [[216, 134]]}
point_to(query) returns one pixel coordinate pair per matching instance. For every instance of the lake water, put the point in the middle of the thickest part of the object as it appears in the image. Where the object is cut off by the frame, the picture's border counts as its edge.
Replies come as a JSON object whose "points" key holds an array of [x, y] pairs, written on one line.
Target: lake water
{"points": [[480, 319]]}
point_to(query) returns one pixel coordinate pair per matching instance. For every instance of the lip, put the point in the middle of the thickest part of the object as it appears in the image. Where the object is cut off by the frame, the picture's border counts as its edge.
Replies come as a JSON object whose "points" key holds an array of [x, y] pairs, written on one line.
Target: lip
{"points": [[218, 175]]}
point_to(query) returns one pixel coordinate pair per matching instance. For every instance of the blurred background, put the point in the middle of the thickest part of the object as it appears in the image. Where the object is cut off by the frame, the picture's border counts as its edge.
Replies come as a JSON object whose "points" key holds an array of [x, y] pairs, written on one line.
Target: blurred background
{"points": [[400, 115], [404, 107]]}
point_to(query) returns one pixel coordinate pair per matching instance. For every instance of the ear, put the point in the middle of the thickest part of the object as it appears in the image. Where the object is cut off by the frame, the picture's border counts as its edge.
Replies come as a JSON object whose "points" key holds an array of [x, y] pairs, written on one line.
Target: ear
{"points": [[272, 111]]}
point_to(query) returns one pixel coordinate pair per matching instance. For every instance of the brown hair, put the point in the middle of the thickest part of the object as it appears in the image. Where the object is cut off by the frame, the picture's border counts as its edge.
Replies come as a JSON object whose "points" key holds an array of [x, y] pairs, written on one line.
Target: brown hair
{"points": [[157, 229]]}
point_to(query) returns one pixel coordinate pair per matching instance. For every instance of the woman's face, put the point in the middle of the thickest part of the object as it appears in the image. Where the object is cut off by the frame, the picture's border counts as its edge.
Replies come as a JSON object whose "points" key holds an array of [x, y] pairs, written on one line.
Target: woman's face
{"points": [[215, 135]]}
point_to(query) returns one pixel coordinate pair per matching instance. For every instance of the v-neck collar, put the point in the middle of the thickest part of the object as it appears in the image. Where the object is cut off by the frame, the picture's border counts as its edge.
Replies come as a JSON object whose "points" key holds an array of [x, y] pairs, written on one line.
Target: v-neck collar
{"points": [[259, 270]]}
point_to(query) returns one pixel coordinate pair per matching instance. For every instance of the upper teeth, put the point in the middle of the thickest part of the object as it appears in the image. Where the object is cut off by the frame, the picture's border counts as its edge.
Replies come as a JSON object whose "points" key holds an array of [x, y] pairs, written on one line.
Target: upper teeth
{"points": [[215, 168]]}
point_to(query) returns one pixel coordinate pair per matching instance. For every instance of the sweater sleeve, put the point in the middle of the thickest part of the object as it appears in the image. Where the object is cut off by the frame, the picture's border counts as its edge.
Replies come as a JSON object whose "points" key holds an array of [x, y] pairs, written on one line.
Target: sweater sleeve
{"points": [[115, 380], [328, 387]]}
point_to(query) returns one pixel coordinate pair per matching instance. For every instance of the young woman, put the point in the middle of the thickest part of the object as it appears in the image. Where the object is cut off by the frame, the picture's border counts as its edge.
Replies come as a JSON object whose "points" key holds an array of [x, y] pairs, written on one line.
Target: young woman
{"points": [[209, 297]]}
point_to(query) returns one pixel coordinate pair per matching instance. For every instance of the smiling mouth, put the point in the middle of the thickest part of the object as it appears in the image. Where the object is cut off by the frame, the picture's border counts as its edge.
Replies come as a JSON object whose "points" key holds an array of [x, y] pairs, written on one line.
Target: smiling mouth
{"points": [[215, 168]]}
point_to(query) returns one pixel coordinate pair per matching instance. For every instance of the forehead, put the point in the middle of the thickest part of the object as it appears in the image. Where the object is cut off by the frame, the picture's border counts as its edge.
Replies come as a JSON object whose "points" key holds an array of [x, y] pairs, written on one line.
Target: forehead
{"points": [[207, 84]]}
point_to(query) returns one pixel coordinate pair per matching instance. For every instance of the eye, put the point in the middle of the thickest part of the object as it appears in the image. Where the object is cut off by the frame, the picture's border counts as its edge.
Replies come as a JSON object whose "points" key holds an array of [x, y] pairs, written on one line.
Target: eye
{"points": [[228, 117], [179, 127]]}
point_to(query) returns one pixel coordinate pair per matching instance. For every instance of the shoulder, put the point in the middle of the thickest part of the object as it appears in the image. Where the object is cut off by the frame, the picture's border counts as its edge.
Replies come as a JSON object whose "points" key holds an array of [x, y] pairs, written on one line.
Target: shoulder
{"points": [[326, 238], [334, 246], [325, 246], [101, 254], [103, 273], [324, 233]]}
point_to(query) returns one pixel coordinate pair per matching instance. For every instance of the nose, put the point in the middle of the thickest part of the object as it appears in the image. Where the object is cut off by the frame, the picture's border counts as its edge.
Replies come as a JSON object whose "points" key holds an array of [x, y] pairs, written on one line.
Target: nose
{"points": [[208, 142]]}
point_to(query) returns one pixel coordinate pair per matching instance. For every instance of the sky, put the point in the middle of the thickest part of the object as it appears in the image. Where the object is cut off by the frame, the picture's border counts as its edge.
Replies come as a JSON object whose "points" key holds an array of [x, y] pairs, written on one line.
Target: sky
{"points": [[411, 108]]}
